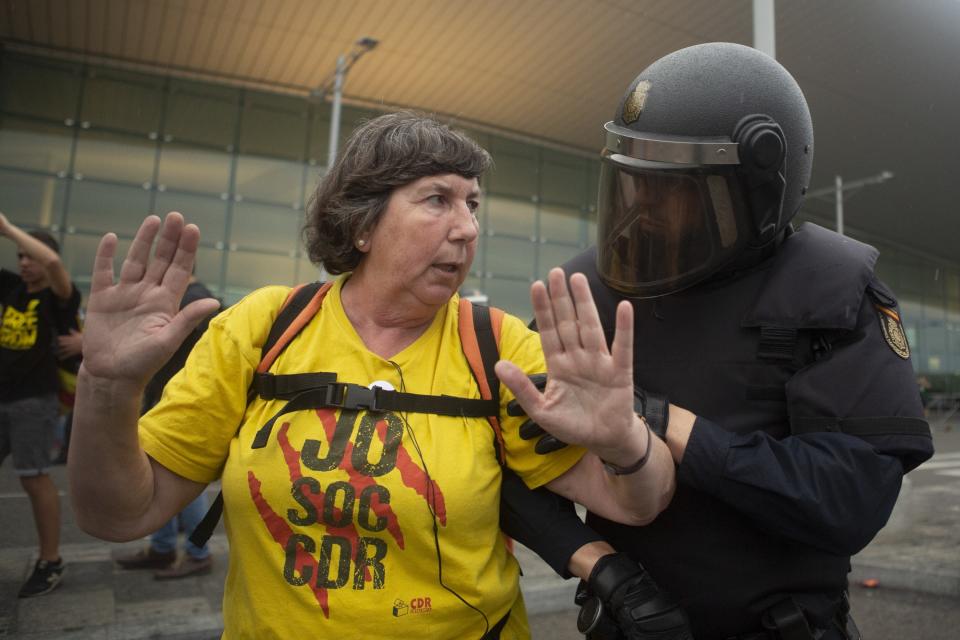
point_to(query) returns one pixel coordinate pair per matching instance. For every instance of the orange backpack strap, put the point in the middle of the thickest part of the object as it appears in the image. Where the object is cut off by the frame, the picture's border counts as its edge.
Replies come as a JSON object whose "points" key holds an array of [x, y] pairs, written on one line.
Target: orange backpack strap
{"points": [[480, 338], [301, 305], [297, 310]]}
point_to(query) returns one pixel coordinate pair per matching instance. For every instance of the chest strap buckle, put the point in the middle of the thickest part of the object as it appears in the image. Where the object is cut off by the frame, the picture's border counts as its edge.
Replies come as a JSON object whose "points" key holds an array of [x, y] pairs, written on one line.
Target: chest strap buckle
{"points": [[353, 396]]}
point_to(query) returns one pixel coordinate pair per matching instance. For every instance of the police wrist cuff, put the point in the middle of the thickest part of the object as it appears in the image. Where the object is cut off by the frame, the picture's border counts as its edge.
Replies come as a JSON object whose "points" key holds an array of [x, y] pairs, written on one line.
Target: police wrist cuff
{"points": [[617, 470], [655, 408], [656, 411]]}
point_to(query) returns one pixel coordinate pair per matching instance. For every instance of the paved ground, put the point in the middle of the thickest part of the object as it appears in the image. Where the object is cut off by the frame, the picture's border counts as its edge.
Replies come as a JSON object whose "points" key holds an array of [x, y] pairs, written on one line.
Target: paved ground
{"points": [[919, 548], [916, 560]]}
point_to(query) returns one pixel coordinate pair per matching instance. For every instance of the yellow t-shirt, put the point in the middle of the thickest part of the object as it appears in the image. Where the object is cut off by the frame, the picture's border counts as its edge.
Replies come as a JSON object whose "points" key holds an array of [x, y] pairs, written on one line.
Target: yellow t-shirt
{"points": [[335, 526]]}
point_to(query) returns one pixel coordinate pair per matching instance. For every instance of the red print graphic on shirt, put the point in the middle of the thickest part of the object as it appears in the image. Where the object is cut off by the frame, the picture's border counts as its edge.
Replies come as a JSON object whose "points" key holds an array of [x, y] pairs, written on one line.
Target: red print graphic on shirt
{"points": [[365, 503]]}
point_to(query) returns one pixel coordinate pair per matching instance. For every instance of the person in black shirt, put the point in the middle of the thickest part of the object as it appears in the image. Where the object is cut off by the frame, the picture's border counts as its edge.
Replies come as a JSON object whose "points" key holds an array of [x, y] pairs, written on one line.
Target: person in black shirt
{"points": [[37, 304]]}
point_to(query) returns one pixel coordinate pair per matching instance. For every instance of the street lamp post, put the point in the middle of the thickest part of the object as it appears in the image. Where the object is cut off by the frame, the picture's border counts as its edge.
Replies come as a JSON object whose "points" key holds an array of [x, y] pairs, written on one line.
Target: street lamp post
{"points": [[839, 187], [838, 196], [335, 83], [338, 76]]}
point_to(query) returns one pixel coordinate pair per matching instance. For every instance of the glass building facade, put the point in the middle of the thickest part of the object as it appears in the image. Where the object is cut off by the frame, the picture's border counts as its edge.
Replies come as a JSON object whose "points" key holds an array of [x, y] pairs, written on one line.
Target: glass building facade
{"points": [[929, 296], [86, 149]]}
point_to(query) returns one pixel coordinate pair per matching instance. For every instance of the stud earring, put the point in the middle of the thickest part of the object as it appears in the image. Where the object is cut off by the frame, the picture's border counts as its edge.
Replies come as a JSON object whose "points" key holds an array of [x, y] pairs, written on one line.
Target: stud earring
{"points": [[360, 243]]}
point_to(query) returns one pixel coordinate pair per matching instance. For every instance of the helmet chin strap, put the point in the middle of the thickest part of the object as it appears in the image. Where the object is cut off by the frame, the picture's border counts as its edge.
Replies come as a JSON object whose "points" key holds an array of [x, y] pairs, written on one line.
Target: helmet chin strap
{"points": [[765, 200]]}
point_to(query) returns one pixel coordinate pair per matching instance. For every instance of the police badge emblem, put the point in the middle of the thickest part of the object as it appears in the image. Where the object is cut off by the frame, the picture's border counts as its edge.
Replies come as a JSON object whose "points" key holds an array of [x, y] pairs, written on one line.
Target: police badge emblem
{"points": [[633, 106], [893, 331]]}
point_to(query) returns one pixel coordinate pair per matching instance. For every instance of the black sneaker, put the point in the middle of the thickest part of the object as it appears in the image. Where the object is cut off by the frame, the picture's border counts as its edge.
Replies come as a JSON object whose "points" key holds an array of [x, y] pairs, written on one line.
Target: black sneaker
{"points": [[44, 579]]}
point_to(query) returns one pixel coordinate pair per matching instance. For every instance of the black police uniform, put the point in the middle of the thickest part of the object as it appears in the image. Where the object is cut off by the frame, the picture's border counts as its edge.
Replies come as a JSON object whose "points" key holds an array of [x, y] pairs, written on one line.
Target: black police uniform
{"points": [[807, 420], [784, 344]]}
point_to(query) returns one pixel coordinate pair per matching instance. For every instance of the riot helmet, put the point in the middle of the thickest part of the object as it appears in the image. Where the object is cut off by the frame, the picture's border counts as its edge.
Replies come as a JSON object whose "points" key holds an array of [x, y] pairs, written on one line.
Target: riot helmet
{"points": [[708, 157]]}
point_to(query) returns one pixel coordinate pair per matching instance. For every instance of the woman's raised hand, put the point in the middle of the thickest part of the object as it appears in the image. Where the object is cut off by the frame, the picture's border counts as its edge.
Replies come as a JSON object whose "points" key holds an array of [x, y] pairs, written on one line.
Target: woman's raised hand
{"points": [[135, 324], [588, 399]]}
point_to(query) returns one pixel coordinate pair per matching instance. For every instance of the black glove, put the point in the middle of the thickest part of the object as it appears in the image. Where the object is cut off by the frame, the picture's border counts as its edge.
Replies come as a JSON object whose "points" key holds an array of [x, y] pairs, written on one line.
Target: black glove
{"points": [[530, 429], [654, 408], [622, 602]]}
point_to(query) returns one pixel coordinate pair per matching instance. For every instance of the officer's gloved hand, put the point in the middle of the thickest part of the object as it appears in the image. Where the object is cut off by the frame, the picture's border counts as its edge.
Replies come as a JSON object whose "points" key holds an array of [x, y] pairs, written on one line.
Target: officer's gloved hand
{"points": [[530, 429], [622, 602], [654, 408]]}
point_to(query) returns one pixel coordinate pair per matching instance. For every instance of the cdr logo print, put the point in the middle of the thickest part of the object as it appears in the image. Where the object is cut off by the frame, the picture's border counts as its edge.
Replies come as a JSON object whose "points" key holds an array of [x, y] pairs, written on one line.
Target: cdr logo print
{"points": [[417, 605], [309, 559]]}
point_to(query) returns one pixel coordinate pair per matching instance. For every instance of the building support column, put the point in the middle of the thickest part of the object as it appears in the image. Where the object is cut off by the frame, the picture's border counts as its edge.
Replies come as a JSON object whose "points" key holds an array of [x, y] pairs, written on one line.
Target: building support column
{"points": [[764, 27]]}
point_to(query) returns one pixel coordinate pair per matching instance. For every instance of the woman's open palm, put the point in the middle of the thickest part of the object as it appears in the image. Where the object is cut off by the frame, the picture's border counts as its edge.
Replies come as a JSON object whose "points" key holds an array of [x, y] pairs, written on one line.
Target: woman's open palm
{"points": [[588, 399], [135, 324]]}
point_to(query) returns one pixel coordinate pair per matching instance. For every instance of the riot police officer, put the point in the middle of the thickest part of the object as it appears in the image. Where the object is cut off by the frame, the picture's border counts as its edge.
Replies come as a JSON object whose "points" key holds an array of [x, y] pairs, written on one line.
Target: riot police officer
{"points": [[772, 361]]}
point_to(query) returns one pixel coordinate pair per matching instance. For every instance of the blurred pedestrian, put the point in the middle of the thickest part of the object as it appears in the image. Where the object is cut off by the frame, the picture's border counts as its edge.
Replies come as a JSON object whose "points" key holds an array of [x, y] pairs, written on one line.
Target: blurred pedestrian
{"points": [[923, 385], [69, 347], [37, 304]]}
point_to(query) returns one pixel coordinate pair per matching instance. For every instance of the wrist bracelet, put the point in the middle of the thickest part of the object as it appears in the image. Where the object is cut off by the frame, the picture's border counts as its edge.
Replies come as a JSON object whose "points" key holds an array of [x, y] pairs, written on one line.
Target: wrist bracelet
{"points": [[617, 470]]}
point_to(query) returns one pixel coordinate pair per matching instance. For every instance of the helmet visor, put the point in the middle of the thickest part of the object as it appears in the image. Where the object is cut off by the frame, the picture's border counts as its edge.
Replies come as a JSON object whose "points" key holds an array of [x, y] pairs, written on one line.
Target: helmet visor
{"points": [[662, 230]]}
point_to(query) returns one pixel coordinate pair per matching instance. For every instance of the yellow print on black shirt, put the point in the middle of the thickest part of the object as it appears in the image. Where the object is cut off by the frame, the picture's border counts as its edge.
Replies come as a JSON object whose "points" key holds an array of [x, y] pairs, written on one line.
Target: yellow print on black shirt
{"points": [[19, 329]]}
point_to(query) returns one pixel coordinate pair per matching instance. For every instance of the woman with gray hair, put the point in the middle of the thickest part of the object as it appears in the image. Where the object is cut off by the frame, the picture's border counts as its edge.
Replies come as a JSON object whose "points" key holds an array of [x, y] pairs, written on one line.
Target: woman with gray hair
{"points": [[355, 520]]}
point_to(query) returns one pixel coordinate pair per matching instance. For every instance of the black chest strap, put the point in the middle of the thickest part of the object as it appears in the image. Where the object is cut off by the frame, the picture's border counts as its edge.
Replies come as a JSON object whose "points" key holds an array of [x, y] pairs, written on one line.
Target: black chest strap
{"points": [[354, 396], [479, 332]]}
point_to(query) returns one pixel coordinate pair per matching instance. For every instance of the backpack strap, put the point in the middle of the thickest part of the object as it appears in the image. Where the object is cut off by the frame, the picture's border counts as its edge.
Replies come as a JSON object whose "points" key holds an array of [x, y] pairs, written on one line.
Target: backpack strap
{"points": [[301, 304], [480, 338], [298, 309]]}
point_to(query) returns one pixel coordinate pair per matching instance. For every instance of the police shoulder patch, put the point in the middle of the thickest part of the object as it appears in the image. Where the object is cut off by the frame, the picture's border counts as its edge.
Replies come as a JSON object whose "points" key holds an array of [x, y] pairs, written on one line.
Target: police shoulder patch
{"points": [[893, 331]]}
